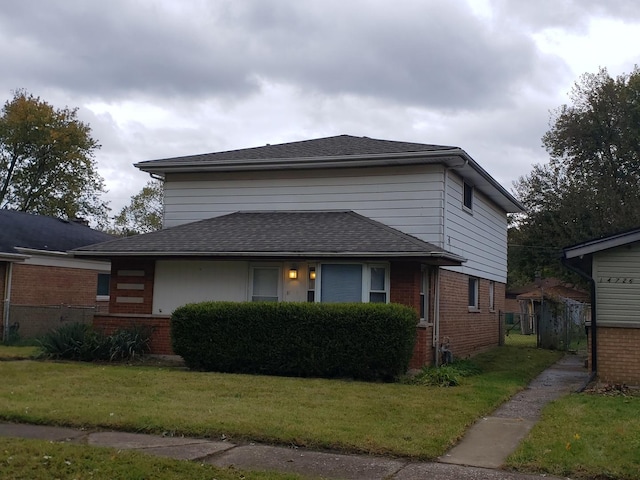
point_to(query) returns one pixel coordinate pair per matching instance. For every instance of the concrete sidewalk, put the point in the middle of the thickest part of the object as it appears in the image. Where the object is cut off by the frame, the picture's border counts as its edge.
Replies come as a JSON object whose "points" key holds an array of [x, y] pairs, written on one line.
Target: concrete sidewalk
{"points": [[478, 456]]}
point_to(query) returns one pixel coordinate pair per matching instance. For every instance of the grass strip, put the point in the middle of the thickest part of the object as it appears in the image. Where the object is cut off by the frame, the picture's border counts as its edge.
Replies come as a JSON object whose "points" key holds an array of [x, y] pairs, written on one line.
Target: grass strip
{"points": [[39, 459], [375, 418], [584, 436]]}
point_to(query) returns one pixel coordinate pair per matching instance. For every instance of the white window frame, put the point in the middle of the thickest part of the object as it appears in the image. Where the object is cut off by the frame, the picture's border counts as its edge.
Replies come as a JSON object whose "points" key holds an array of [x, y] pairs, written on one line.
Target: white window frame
{"points": [[252, 269], [467, 187], [102, 297], [424, 294], [366, 280], [475, 307], [492, 296]]}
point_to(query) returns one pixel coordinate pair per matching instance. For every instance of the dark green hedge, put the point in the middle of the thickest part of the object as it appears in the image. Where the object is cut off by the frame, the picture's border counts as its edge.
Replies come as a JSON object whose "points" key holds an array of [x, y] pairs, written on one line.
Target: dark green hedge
{"points": [[362, 341]]}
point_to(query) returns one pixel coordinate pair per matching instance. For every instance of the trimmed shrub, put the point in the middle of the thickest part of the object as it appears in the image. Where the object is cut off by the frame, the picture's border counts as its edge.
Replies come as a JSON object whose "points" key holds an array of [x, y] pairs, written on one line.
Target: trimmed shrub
{"points": [[361, 341], [79, 341]]}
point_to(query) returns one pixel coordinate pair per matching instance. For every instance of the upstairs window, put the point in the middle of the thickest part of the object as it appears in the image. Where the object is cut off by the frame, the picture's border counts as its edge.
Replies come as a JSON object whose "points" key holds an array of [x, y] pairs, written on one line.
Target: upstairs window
{"points": [[467, 196]]}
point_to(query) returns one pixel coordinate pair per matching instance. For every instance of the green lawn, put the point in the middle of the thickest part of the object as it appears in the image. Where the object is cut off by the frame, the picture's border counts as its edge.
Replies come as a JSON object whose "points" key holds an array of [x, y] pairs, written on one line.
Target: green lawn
{"points": [[584, 436], [37, 459], [377, 418], [515, 338], [17, 353]]}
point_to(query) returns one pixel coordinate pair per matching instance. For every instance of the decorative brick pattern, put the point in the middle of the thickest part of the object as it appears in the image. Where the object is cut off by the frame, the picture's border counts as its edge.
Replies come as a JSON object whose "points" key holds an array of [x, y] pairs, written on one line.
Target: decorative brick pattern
{"points": [[125, 272], [618, 359]]}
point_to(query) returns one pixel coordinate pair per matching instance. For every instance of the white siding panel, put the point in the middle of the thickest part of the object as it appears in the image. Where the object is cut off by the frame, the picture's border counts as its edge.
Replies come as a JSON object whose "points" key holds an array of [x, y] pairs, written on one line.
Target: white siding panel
{"points": [[408, 198], [480, 236], [617, 276], [178, 282]]}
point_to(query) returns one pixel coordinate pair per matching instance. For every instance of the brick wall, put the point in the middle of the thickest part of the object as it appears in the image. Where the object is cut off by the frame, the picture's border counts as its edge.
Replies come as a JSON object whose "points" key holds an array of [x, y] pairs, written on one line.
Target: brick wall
{"points": [[468, 332], [43, 285], [618, 355], [406, 278], [131, 286], [160, 328]]}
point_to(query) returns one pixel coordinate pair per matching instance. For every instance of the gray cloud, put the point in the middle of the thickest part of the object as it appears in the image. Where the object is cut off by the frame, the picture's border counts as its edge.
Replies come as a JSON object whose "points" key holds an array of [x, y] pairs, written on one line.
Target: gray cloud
{"points": [[425, 53]]}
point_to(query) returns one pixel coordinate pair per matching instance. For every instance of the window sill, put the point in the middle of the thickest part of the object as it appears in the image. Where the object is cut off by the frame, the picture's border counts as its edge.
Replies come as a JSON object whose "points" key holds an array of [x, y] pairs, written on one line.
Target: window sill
{"points": [[102, 298], [474, 310]]}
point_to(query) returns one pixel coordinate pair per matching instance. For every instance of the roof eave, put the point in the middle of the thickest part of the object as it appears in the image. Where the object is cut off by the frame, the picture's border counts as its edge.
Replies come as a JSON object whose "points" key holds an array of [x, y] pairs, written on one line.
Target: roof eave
{"points": [[450, 258]]}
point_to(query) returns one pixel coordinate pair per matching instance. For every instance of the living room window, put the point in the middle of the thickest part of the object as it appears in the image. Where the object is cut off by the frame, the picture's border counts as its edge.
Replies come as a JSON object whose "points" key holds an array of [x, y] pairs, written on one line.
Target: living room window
{"points": [[473, 294], [265, 284], [353, 282]]}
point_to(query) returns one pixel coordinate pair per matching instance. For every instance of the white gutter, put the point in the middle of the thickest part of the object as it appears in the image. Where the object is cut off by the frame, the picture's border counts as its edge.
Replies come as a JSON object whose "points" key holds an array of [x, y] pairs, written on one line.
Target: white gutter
{"points": [[443, 255]]}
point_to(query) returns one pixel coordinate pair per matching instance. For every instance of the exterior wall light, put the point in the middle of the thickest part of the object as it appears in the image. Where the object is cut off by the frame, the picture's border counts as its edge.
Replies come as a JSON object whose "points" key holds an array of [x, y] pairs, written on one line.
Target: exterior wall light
{"points": [[312, 275], [293, 273]]}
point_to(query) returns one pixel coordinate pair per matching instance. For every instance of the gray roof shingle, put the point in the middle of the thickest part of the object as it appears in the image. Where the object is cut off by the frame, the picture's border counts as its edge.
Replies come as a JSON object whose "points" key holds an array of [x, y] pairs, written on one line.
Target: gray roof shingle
{"points": [[38, 232], [337, 146], [277, 234]]}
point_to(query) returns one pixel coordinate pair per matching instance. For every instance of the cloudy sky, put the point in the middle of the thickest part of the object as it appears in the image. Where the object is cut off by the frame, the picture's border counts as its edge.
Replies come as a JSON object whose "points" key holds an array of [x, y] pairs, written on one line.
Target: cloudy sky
{"points": [[162, 78]]}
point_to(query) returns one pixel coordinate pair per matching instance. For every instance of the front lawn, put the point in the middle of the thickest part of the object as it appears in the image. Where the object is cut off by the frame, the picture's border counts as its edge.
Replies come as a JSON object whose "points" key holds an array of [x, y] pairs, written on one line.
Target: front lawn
{"points": [[10, 352], [584, 436], [376, 418], [38, 459]]}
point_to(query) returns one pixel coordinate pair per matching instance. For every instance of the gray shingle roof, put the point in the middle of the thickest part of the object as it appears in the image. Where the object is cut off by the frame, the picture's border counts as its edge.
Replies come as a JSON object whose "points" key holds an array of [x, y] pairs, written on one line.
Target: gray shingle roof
{"points": [[338, 146], [38, 232], [276, 234]]}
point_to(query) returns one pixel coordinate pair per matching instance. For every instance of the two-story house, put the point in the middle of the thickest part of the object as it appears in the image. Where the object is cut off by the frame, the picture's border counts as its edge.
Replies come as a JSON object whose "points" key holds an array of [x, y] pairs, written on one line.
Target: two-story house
{"points": [[337, 219]]}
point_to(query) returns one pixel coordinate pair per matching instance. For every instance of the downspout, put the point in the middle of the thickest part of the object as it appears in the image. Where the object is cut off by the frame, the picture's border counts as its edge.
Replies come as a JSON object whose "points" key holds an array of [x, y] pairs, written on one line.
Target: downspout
{"points": [[7, 301], [592, 285], [436, 313]]}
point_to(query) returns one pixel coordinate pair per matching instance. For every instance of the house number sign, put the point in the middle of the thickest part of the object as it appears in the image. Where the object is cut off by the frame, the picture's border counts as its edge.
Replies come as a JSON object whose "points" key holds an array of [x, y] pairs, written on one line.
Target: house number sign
{"points": [[615, 280]]}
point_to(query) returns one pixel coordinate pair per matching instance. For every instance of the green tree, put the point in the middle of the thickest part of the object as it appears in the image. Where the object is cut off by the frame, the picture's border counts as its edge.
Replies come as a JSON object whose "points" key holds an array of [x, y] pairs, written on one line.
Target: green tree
{"points": [[47, 161], [590, 187], [144, 213]]}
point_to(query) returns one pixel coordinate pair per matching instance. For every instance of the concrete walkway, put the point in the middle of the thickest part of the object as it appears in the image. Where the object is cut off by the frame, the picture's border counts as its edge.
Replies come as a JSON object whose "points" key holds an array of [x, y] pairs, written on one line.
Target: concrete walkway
{"points": [[478, 456], [492, 439]]}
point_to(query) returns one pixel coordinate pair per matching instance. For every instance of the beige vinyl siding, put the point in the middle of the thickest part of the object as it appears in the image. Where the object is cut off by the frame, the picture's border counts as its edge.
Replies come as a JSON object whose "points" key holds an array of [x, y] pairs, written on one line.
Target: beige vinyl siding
{"points": [[617, 276], [408, 198], [479, 235]]}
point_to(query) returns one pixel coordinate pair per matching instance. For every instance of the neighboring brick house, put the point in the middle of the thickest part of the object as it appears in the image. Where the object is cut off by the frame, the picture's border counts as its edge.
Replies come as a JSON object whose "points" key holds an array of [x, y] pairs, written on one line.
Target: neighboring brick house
{"points": [[38, 277], [612, 265], [333, 219]]}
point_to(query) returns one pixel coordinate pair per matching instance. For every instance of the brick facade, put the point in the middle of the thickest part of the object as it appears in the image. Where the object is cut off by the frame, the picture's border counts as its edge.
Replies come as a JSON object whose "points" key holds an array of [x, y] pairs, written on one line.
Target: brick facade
{"points": [[46, 285], [468, 332], [131, 303], [618, 359], [160, 328]]}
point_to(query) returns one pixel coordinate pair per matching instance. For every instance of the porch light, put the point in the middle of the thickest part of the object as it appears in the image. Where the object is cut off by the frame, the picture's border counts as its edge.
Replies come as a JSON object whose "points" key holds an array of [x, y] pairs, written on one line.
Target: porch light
{"points": [[312, 275], [293, 273]]}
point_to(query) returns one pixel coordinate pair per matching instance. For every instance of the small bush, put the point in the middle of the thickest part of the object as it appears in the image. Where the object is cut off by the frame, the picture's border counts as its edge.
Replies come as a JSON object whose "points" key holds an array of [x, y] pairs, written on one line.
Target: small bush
{"points": [[78, 341], [362, 341], [446, 375]]}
